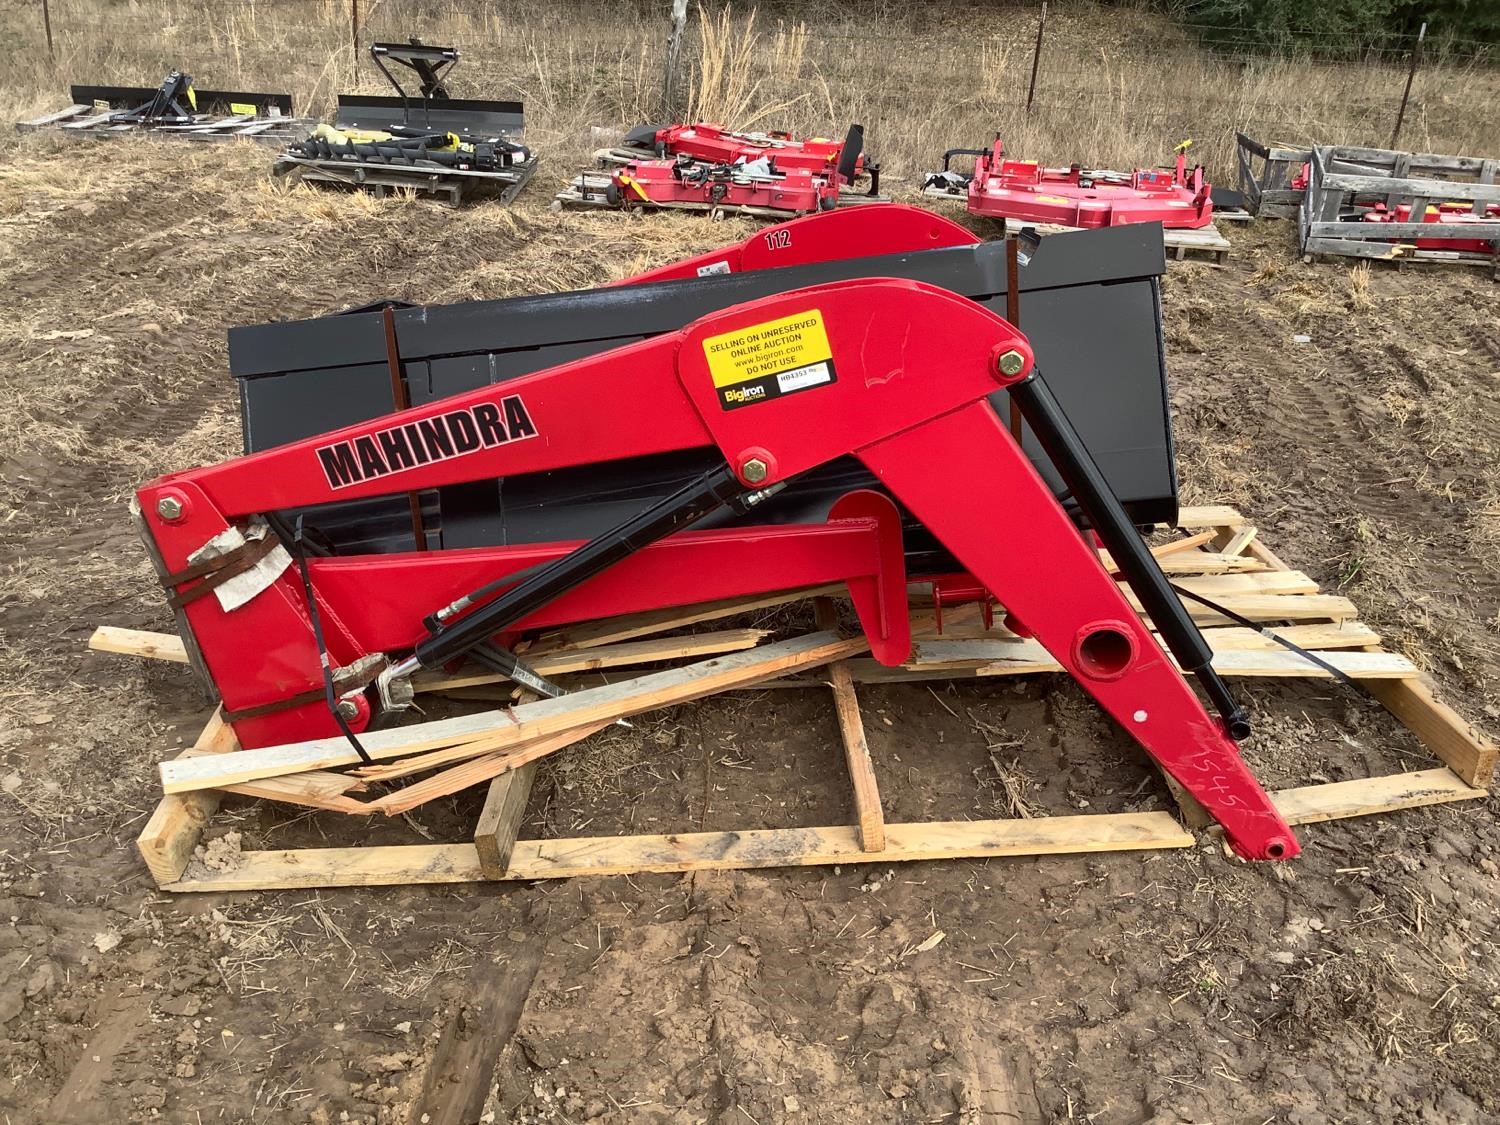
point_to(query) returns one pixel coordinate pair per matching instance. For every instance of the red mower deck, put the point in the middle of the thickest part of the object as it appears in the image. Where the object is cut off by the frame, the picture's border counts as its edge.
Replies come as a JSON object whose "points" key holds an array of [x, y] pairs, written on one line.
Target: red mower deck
{"points": [[1027, 191]]}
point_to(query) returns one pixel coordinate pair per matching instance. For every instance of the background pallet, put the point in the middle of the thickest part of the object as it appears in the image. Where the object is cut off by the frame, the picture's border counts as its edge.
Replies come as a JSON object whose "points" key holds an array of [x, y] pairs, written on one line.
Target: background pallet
{"points": [[1342, 178]]}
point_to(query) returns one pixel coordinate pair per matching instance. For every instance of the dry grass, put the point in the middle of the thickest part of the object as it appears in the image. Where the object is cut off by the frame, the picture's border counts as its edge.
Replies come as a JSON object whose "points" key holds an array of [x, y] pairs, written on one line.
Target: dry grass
{"points": [[1118, 86]]}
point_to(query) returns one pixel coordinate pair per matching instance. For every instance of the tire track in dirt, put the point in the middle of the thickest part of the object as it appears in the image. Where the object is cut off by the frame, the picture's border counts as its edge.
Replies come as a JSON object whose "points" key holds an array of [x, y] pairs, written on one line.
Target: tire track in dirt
{"points": [[1354, 441]]}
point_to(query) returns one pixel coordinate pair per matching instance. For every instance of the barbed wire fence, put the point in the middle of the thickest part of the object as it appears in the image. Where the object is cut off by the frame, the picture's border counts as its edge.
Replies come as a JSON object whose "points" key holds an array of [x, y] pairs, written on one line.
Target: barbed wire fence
{"points": [[918, 87]]}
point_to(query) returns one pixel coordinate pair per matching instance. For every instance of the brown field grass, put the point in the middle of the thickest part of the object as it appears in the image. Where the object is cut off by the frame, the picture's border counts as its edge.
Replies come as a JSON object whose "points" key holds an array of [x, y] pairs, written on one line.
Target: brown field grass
{"points": [[1118, 86]]}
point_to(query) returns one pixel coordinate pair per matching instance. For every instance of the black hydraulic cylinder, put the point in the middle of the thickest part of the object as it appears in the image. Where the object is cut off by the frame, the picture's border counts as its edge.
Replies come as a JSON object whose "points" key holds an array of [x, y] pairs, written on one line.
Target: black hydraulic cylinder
{"points": [[673, 513], [1109, 520]]}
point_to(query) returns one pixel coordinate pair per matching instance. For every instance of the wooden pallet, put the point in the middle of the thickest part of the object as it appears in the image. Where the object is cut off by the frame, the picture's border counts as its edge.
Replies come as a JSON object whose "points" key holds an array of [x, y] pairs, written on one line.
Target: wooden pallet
{"points": [[1206, 241], [451, 184], [1340, 178], [89, 121], [1221, 556], [1266, 173]]}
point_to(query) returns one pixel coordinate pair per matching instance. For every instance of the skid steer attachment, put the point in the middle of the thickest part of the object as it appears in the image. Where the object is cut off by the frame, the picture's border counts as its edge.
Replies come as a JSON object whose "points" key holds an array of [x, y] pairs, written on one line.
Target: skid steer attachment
{"points": [[895, 374], [427, 141], [176, 108]]}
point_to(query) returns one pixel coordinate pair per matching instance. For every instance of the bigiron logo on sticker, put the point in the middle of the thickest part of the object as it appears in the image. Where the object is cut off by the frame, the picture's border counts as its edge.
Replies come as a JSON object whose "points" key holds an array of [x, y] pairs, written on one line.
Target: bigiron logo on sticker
{"points": [[399, 448], [770, 360]]}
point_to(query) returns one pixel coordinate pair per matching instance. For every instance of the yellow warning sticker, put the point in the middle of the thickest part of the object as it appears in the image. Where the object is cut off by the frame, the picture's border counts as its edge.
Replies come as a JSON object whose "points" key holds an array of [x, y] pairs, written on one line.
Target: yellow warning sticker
{"points": [[242, 107], [769, 360]]}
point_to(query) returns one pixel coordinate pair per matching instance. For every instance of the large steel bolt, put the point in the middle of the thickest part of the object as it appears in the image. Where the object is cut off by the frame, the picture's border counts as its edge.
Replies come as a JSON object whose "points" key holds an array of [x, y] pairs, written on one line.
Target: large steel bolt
{"points": [[1012, 363], [169, 508], [754, 470], [348, 709]]}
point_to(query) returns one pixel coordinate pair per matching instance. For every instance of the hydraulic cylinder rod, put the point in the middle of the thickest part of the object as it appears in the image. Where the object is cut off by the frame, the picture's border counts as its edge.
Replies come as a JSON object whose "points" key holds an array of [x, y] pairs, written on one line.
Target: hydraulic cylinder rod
{"points": [[1108, 518]]}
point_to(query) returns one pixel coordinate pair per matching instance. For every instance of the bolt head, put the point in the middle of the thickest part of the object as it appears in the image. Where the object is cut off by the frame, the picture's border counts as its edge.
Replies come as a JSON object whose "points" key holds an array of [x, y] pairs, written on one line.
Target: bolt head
{"points": [[754, 470], [1012, 363], [348, 709], [169, 508]]}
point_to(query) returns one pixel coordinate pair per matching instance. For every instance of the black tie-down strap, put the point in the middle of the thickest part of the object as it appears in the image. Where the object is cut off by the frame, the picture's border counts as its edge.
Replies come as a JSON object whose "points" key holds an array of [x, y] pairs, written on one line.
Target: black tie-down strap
{"points": [[1269, 634], [345, 680], [216, 571], [329, 694]]}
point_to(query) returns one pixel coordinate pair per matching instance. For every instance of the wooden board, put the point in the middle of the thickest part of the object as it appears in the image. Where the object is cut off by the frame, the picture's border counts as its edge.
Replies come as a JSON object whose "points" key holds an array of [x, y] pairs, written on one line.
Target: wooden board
{"points": [[460, 1077], [982, 659], [1209, 515], [518, 724], [1468, 751], [45, 120], [138, 642], [500, 819], [83, 120], [615, 629], [171, 834], [455, 184], [1366, 796], [169, 647], [695, 851], [563, 661]]}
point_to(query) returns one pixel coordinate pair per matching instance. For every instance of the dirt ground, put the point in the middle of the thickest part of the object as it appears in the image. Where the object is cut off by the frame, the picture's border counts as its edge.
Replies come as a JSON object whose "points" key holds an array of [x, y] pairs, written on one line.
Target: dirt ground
{"points": [[1355, 984]]}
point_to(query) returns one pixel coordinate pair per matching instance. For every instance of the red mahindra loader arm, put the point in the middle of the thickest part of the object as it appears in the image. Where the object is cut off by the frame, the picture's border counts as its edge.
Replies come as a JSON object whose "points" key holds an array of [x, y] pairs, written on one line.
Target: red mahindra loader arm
{"points": [[896, 373], [825, 236]]}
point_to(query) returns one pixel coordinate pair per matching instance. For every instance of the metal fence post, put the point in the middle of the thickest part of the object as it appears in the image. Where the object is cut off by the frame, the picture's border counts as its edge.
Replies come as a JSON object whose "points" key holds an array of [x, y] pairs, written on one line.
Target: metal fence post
{"points": [[354, 28], [1416, 53], [674, 49], [1036, 56], [47, 23]]}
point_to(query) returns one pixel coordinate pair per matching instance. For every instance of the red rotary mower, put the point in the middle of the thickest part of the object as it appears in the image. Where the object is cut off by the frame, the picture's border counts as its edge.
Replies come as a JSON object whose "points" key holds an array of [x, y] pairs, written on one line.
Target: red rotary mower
{"points": [[797, 178], [302, 639], [714, 144], [1025, 190]]}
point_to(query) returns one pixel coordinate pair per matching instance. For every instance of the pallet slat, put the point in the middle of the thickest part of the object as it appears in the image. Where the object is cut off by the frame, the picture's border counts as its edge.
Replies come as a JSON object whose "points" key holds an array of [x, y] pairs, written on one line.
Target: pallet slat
{"points": [[1366, 796], [1466, 749], [988, 658], [867, 810], [500, 820], [694, 851], [517, 725]]}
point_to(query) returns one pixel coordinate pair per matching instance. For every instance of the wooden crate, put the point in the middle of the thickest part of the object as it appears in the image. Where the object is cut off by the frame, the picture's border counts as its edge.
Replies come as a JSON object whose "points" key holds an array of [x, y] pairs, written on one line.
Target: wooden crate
{"points": [[1266, 173], [1340, 178], [1221, 556]]}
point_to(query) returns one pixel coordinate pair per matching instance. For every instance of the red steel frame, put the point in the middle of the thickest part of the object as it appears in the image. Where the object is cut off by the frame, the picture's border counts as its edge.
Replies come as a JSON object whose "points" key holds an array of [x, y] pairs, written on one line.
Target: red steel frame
{"points": [[1025, 190], [795, 191], [857, 232], [911, 369]]}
